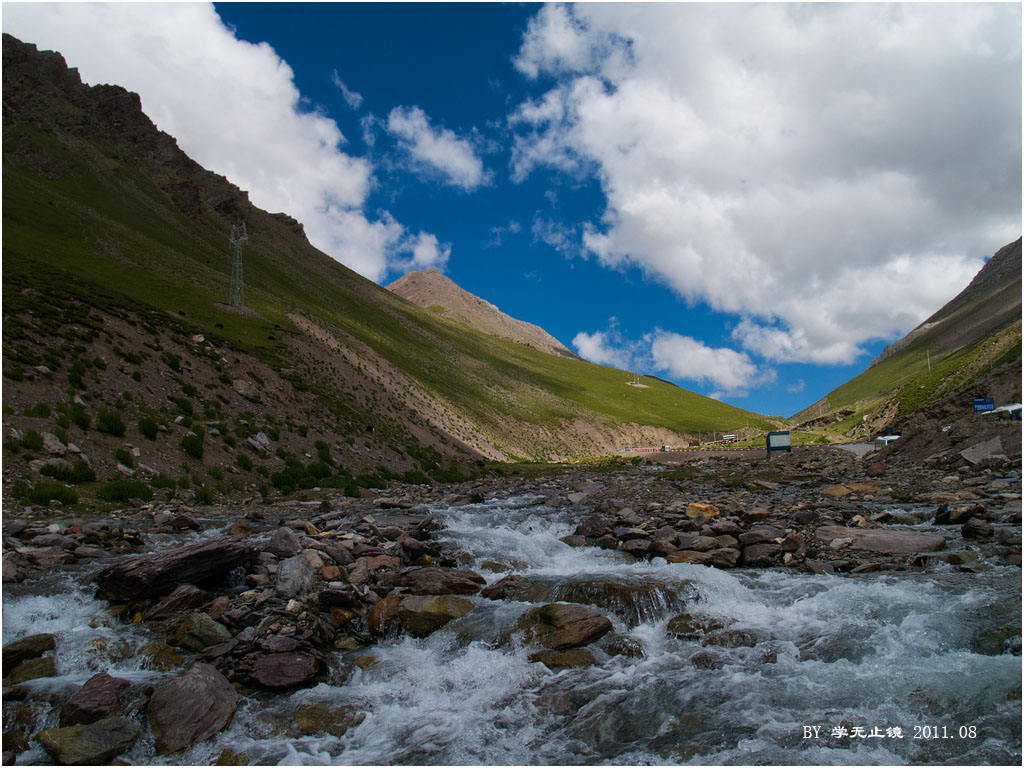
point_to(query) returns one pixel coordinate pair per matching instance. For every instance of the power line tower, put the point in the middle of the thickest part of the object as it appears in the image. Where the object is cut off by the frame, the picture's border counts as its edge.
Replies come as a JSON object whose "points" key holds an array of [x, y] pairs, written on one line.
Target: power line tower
{"points": [[238, 237]]}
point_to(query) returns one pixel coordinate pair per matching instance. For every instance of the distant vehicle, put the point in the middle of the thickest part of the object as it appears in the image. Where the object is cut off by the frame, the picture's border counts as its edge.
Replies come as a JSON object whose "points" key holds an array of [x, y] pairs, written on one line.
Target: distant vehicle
{"points": [[886, 439], [666, 447], [728, 438]]}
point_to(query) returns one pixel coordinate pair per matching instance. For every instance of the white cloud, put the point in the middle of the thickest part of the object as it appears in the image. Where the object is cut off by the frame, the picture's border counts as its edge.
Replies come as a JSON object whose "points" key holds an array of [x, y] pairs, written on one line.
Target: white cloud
{"points": [[830, 173], [798, 386], [684, 357], [234, 108], [597, 347], [352, 98], [439, 150], [498, 233], [427, 253], [559, 236]]}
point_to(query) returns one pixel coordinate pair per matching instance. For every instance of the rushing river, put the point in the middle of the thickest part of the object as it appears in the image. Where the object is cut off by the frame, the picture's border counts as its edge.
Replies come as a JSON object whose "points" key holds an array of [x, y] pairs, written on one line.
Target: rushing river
{"points": [[882, 668]]}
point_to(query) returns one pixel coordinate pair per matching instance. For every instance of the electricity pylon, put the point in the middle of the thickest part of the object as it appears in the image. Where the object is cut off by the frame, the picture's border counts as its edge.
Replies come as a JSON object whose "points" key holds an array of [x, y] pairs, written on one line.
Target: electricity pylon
{"points": [[238, 237]]}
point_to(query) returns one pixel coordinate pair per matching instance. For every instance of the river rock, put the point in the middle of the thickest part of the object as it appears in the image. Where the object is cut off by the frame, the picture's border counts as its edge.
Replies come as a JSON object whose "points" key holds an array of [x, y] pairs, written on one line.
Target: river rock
{"points": [[697, 543], [760, 555], [661, 548], [560, 626], [161, 656], [31, 670], [294, 576], [726, 557], [700, 509], [98, 698], [284, 670], [759, 534], [883, 539], [517, 587], [423, 614], [575, 657], [688, 556], [316, 719], [383, 614], [191, 708], [731, 638], [183, 598], [635, 602], [440, 581], [284, 543], [93, 744], [160, 573], [27, 648], [593, 526], [946, 515], [976, 528], [689, 626], [199, 631]]}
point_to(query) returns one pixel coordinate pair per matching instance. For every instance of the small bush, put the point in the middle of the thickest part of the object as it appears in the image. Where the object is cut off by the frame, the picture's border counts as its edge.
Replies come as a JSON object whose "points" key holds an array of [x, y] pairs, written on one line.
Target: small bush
{"points": [[172, 361], [184, 482], [75, 374], [244, 462], [136, 376], [272, 432], [80, 472], [38, 411], [32, 441], [415, 477], [100, 363], [110, 422], [189, 390], [61, 434], [216, 473], [12, 445], [43, 493], [79, 417], [192, 444], [162, 481], [122, 490], [123, 456], [148, 427], [204, 495], [184, 405], [229, 440]]}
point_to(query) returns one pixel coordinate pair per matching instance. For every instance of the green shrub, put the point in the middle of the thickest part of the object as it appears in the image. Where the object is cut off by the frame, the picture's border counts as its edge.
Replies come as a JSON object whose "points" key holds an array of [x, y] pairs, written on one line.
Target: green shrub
{"points": [[204, 495], [192, 444], [75, 374], [43, 493], [122, 490], [323, 452], [229, 440], [78, 416], [216, 473], [123, 456], [148, 427], [136, 376], [80, 472], [184, 405], [12, 445], [416, 477], [61, 434], [189, 390], [244, 462], [272, 432], [110, 422], [162, 481], [32, 441], [172, 361], [100, 363], [38, 411], [184, 482]]}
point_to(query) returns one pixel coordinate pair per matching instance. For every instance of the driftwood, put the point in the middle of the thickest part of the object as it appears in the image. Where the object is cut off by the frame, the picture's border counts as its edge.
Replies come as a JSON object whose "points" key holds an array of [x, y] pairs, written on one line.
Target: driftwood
{"points": [[160, 573]]}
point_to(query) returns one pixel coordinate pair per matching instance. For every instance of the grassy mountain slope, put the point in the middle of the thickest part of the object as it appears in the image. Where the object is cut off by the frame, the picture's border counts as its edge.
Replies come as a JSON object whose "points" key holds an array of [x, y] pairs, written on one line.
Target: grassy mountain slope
{"points": [[106, 212], [976, 332]]}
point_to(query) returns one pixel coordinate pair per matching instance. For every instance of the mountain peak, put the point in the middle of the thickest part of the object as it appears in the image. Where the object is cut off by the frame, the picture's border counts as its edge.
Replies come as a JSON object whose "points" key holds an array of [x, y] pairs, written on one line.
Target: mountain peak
{"points": [[431, 288]]}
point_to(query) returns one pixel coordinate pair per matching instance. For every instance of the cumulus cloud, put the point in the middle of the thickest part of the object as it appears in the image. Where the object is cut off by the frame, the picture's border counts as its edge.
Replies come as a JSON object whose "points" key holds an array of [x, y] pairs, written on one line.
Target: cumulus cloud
{"points": [[234, 108], [829, 173], [438, 150], [684, 357], [352, 98], [598, 347]]}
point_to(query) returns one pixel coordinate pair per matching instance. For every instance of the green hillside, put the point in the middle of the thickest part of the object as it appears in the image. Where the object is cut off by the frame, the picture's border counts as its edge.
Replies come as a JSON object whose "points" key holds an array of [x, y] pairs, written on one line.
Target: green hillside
{"points": [[98, 205]]}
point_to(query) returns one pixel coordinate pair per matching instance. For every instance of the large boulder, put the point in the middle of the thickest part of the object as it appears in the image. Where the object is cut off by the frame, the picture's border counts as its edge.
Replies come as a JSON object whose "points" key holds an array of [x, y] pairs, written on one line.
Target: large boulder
{"points": [[423, 614], [93, 744], [294, 576], [160, 573], [440, 581], [560, 626], [98, 698], [191, 708], [27, 648], [284, 670]]}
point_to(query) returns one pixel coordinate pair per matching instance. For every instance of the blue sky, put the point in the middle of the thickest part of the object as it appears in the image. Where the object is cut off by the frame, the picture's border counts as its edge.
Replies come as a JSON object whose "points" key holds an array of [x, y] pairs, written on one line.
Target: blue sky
{"points": [[748, 201]]}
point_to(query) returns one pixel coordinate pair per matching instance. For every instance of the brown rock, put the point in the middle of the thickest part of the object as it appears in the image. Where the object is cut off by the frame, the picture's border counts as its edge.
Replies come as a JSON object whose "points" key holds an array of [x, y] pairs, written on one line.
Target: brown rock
{"points": [[687, 556], [284, 670], [93, 744], [98, 698], [440, 581], [576, 657], [699, 509], [976, 528], [760, 555], [689, 626], [727, 557], [517, 587], [27, 648], [883, 539], [31, 670], [876, 469], [423, 614], [191, 708], [384, 614], [560, 626], [183, 598]]}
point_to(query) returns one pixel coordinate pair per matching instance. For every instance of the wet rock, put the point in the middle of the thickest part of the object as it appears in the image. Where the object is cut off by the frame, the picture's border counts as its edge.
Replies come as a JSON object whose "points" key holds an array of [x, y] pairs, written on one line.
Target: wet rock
{"points": [[517, 587], [727, 557], [284, 670], [284, 543], [976, 528], [760, 555], [183, 598], [423, 614], [440, 581], [882, 539], [199, 631], [294, 576], [689, 556], [689, 626], [31, 670], [962, 558], [637, 547], [50, 557], [608, 542], [946, 515], [279, 643], [93, 744], [661, 548], [191, 708], [161, 656], [320, 718], [697, 543], [414, 547], [26, 648], [383, 614], [560, 626], [706, 660], [576, 657], [626, 646], [593, 526], [98, 698], [635, 602], [760, 534], [160, 573], [731, 638]]}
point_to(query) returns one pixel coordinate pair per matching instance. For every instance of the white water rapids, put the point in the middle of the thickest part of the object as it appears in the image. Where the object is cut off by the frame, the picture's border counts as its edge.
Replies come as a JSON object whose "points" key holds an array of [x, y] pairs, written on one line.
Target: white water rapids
{"points": [[927, 653]]}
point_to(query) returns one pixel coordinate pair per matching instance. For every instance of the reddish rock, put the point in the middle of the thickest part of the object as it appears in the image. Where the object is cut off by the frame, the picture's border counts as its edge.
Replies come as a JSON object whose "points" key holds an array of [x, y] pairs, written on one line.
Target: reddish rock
{"points": [[517, 587], [27, 648], [383, 614], [560, 626], [727, 557], [760, 555], [191, 708], [440, 581], [876, 469], [883, 539], [284, 670], [688, 556], [98, 698]]}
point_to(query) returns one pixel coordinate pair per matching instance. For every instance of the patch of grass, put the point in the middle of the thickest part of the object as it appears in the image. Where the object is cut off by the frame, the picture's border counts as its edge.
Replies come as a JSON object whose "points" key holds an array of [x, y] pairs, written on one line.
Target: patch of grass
{"points": [[43, 493], [110, 422], [192, 444], [123, 490], [148, 427], [79, 472], [32, 441], [38, 411]]}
